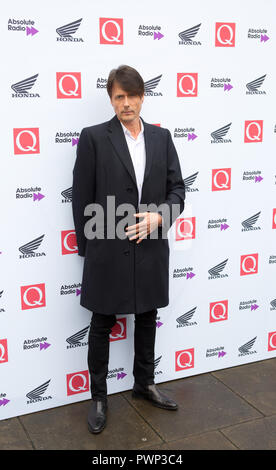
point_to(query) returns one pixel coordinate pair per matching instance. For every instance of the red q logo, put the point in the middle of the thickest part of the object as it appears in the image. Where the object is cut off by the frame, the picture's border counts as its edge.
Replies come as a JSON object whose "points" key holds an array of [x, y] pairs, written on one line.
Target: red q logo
{"points": [[184, 359], [68, 242], [111, 31], [78, 382], [225, 34], [186, 84], [221, 179], [272, 341], [33, 296], [26, 141], [274, 218], [3, 350], [249, 264], [185, 228], [218, 311], [68, 85], [253, 131], [118, 331]]}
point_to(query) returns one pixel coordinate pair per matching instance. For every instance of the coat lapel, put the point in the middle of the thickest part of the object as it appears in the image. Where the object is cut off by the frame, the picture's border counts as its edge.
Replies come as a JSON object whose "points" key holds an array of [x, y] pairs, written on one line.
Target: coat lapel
{"points": [[118, 140]]}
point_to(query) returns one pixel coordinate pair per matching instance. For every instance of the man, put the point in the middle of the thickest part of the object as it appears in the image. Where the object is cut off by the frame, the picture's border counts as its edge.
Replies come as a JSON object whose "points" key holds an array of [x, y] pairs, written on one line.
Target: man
{"points": [[136, 163]]}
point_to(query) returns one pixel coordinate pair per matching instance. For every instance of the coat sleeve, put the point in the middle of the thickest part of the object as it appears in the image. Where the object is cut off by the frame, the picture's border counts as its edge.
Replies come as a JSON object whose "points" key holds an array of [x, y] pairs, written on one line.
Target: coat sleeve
{"points": [[84, 186], [175, 196]]}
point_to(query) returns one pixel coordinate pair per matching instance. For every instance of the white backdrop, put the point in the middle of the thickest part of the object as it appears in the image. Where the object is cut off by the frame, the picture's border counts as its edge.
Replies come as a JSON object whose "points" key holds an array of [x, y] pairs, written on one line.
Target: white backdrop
{"points": [[228, 316]]}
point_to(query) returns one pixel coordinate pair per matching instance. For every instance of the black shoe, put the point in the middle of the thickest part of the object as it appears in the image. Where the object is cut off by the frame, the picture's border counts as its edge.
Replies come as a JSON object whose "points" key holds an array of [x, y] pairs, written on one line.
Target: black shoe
{"points": [[97, 416], [157, 398]]}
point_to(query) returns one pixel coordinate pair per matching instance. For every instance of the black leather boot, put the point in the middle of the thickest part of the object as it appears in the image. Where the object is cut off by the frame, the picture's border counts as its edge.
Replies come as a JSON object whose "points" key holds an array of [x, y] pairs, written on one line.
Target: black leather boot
{"points": [[97, 416], [151, 393]]}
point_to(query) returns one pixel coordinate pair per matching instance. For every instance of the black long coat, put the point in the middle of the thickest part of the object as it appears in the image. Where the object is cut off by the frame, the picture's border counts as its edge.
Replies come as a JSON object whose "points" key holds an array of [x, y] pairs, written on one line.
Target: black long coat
{"points": [[120, 276]]}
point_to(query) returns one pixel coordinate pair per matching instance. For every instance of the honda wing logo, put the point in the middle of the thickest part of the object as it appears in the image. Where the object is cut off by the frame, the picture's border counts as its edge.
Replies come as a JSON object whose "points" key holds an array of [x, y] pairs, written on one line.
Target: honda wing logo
{"points": [[216, 270], [245, 348], [67, 30], [67, 194], [156, 361], [29, 248], [189, 34], [219, 134], [75, 339], [37, 392], [255, 84], [150, 85], [24, 85], [183, 320], [248, 223], [189, 181]]}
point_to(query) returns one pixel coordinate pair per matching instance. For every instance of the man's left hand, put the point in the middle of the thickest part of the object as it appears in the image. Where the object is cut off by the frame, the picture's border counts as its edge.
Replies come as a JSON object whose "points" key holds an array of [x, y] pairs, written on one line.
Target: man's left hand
{"points": [[141, 230]]}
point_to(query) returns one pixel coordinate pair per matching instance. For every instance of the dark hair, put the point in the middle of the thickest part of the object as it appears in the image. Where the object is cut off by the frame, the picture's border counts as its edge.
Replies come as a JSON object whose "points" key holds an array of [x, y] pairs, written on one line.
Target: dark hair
{"points": [[128, 78]]}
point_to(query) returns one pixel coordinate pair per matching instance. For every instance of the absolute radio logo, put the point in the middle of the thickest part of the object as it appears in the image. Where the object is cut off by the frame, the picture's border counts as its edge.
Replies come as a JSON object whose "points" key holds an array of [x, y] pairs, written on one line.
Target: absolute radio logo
{"points": [[68, 85], [119, 330], [29, 250], [71, 289], [22, 89], [40, 344], [253, 87], [184, 320], [225, 34], [3, 350], [189, 181], [66, 32], [22, 25], [187, 272], [220, 224], [26, 141], [219, 134], [35, 395], [68, 242], [249, 224], [101, 82], [117, 372], [184, 359], [71, 137], [218, 311], [216, 352], [76, 340], [221, 179], [251, 304], [3, 400], [215, 271], [111, 31], [253, 176], [77, 382], [224, 83], [33, 296], [185, 229], [187, 133], [150, 86], [150, 31], [249, 264], [187, 36], [259, 34], [187, 85], [32, 192], [253, 131]]}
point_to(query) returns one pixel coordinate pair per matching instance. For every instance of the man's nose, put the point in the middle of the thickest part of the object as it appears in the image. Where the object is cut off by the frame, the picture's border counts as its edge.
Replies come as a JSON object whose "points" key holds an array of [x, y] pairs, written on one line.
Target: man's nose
{"points": [[126, 103]]}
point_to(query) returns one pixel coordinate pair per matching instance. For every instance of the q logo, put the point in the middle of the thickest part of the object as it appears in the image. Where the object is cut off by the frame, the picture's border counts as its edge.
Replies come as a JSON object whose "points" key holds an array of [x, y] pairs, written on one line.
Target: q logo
{"points": [[249, 264], [33, 296], [221, 179], [187, 84], [118, 330], [274, 218], [218, 311], [78, 382], [68, 85], [272, 341], [26, 141], [3, 351], [253, 131], [184, 359], [185, 228], [111, 31], [68, 242], [225, 34]]}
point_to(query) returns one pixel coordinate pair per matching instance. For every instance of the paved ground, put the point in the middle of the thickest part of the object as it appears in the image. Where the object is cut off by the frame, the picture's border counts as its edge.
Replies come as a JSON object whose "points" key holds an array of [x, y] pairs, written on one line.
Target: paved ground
{"points": [[230, 409]]}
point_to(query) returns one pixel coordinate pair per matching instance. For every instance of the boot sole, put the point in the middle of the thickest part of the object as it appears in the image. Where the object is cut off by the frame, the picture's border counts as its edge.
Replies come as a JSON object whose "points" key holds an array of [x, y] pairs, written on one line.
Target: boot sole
{"points": [[141, 396]]}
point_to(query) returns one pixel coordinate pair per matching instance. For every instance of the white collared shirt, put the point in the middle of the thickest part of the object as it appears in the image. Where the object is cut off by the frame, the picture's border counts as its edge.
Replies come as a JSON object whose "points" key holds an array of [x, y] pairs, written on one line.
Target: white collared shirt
{"points": [[137, 152]]}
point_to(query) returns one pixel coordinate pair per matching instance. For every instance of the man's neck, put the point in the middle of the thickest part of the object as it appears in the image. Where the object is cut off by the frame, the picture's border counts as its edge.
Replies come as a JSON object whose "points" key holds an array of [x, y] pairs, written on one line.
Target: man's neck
{"points": [[134, 127]]}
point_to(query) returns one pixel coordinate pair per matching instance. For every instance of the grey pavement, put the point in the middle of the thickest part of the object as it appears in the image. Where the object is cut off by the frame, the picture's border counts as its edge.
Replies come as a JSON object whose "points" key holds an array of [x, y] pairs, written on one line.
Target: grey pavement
{"points": [[229, 409]]}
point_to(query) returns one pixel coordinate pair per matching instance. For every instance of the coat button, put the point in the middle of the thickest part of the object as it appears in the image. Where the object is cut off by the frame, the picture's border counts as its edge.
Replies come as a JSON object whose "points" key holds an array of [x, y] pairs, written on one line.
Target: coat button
{"points": [[126, 252]]}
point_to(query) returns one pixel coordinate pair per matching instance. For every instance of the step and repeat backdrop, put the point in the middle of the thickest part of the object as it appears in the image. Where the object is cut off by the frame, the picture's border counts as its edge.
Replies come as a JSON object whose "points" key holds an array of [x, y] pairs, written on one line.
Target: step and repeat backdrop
{"points": [[209, 72]]}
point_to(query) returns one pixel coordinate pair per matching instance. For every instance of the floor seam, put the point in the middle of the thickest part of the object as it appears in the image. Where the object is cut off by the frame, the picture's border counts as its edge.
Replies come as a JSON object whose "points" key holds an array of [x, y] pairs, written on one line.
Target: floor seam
{"points": [[26, 432]]}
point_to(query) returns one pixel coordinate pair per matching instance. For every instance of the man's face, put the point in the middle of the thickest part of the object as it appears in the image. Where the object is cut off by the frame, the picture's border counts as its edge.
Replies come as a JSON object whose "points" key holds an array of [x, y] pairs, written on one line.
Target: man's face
{"points": [[126, 106]]}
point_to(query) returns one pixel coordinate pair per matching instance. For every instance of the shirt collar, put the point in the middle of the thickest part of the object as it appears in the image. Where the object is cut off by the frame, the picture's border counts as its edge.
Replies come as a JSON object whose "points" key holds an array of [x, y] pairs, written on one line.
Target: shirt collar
{"points": [[127, 132]]}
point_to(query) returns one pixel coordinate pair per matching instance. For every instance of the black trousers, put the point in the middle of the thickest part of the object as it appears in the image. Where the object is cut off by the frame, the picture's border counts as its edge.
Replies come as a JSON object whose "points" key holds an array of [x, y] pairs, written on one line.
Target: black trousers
{"points": [[98, 350]]}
